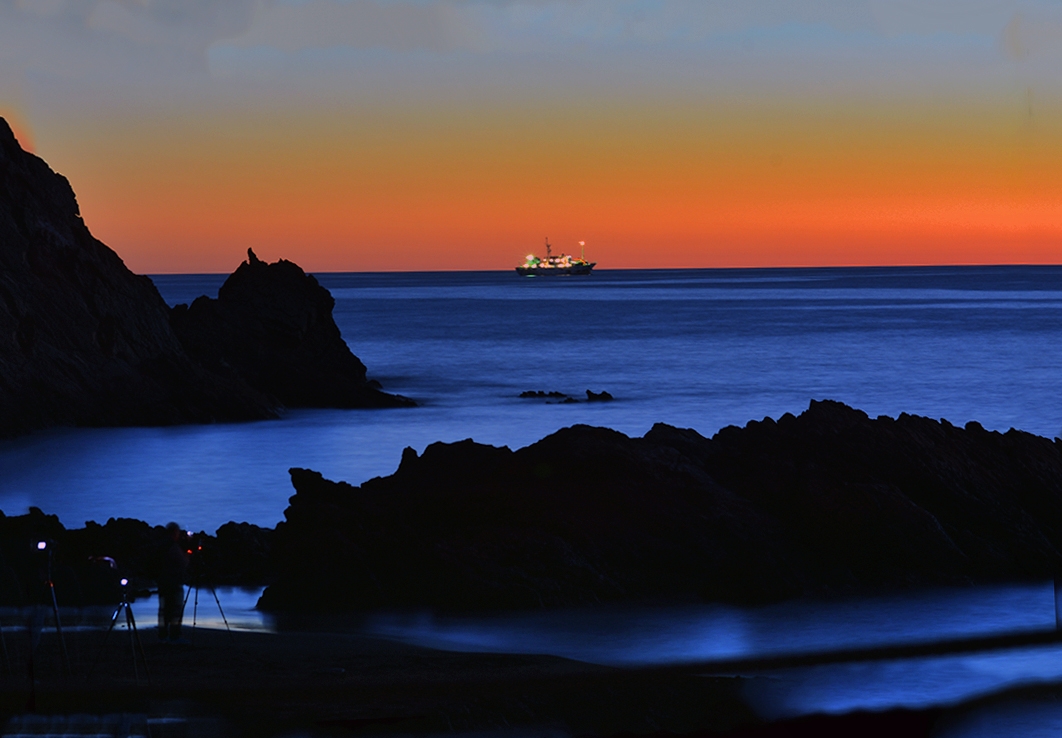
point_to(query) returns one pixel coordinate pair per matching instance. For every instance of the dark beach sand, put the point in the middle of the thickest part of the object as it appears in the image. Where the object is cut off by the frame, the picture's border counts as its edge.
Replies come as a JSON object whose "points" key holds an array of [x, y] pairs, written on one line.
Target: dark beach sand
{"points": [[325, 684], [263, 684]]}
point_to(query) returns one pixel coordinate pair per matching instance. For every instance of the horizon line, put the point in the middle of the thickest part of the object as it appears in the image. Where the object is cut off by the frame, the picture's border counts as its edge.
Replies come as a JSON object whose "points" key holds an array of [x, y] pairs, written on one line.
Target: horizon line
{"points": [[644, 269]]}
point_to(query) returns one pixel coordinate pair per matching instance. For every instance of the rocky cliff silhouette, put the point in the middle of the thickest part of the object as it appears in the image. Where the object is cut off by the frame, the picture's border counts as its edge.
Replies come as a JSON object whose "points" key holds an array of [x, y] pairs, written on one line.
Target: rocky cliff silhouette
{"points": [[830, 501], [272, 327], [84, 341]]}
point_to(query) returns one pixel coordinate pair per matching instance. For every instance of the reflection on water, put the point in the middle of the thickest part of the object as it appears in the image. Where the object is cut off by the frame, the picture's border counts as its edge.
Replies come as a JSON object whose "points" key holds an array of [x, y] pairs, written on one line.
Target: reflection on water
{"points": [[703, 634], [693, 634], [911, 683], [1026, 718], [235, 604], [648, 637], [232, 603]]}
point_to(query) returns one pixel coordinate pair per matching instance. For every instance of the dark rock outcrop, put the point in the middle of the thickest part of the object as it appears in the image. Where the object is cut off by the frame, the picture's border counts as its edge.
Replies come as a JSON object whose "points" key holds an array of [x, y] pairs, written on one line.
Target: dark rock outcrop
{"points": [[591, 396], [271, 326], [830, 501], [83, 340], [239, 554]]}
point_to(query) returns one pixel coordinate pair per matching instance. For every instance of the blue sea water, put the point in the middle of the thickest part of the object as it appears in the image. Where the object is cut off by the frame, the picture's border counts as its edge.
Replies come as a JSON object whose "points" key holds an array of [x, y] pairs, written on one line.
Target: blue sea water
{"points": [[694, 348]]}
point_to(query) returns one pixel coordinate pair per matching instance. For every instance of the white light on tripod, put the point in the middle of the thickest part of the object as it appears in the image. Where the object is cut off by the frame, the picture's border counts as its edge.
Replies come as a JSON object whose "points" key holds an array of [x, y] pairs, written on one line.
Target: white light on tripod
{"points": [[125, 582], [41, 545]]}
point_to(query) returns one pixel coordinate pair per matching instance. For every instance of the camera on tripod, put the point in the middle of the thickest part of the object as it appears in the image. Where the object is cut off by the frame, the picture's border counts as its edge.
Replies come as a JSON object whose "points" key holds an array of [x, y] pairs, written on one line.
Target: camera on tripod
{"points": [[201, 568], [130, 592], [200, 556], [127, 596]]}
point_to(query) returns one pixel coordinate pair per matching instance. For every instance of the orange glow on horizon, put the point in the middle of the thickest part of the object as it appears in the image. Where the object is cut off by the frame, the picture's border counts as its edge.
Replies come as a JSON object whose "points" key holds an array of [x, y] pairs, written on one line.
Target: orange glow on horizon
{"points": [[732, 183]]}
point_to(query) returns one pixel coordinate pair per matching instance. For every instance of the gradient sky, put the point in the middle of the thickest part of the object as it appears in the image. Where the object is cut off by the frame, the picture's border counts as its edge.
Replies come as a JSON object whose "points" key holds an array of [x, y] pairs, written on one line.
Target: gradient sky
{"points": [[364, 135]]}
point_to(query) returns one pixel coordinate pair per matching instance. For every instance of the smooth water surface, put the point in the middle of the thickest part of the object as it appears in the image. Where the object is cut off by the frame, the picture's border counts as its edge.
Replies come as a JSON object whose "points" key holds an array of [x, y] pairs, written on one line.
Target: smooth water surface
{"points": [[693, 348], [705, 633], [636, 637], [700, 635], [214, 608]]}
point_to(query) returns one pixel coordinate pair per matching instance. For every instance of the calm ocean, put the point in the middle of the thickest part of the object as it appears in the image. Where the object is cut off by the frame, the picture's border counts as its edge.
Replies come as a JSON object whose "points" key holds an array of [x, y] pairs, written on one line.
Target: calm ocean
{"points": [[693, 348]]}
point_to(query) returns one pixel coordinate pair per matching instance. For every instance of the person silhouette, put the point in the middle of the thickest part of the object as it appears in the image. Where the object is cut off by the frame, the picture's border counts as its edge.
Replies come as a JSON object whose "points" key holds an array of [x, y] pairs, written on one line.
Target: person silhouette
{"points": [[173, 569]]}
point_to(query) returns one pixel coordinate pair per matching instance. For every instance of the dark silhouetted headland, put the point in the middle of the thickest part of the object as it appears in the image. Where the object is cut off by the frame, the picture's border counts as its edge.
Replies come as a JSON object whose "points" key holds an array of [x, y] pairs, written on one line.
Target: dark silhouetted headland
{"points": [[84, 341]]}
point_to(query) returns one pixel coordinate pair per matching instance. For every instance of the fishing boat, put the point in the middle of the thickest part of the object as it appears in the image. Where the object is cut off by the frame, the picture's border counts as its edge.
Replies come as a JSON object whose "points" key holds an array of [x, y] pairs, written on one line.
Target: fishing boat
{"points": [[552, 266]]}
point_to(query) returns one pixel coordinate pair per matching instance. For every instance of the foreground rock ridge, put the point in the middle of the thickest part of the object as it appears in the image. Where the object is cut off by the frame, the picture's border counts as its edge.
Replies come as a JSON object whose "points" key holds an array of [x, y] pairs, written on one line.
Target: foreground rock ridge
{"points": [[271, 326], [84, 341], [828, 502]]}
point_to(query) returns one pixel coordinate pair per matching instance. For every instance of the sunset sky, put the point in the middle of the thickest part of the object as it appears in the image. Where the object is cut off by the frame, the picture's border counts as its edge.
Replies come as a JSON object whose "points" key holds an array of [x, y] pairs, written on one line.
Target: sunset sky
{"points": [[366, 135]]}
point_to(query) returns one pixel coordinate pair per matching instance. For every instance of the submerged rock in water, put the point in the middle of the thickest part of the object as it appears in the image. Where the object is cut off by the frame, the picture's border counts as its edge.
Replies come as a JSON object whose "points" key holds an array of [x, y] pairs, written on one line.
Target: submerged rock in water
{"points": [[85, 341], [271, 326], [830, 501]]}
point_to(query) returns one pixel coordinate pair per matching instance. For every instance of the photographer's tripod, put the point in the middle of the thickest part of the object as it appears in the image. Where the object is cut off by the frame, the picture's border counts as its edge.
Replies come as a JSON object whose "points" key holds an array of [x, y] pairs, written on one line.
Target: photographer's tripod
{"points": [[196, 553], [134, 636], [195, 606], [3, 649], [46, 549]]}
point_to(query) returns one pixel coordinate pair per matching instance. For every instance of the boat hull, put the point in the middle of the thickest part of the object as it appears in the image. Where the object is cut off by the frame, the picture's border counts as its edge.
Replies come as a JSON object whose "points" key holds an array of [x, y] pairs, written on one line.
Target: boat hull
{"points": [[569, 271]]}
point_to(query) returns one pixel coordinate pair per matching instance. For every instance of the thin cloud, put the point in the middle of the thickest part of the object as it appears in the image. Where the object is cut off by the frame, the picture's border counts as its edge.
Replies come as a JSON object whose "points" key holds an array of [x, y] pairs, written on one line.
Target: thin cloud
{"points": [[436, 26], [1037, 38], [77, 52]]}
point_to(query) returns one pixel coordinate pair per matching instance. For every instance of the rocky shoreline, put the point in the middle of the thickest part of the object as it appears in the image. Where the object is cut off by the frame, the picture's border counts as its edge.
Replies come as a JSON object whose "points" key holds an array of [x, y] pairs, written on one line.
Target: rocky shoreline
{"points": [[830, 501], [827, 502]]}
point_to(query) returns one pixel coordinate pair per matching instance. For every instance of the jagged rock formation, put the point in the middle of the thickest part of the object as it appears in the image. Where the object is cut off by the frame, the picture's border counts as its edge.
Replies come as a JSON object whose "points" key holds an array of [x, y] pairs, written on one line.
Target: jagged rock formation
{"points": [[82, 339], [828, 501], [271, 326]]}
